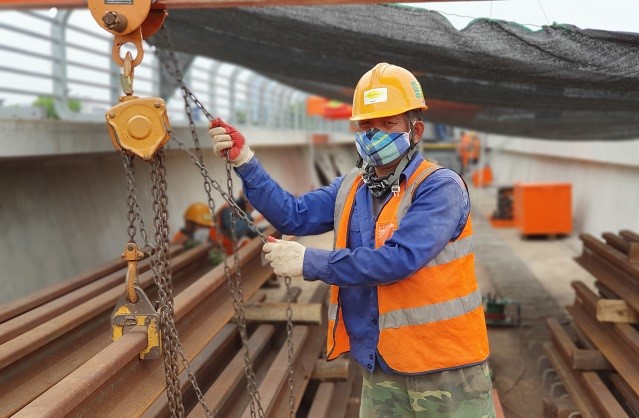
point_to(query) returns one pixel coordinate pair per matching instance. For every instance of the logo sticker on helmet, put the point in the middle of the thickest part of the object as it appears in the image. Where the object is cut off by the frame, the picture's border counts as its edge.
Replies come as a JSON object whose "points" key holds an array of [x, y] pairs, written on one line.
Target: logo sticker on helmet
{"points": [[417, 89], [378, 95]]}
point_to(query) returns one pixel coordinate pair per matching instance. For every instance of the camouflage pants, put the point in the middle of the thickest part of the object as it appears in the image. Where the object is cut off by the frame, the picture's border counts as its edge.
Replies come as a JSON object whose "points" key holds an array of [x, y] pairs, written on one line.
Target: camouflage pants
{"points": [[460, 393]]}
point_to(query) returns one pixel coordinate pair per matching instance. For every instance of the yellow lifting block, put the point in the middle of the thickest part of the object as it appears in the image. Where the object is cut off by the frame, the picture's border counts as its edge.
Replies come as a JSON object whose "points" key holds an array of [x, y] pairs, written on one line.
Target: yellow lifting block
{"points": [[128, 315], [139, 125]]}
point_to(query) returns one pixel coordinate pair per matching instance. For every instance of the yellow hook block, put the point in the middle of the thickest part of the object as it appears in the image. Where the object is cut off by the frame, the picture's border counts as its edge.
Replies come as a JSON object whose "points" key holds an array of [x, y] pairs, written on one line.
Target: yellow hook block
{"points": [[139, 125]]}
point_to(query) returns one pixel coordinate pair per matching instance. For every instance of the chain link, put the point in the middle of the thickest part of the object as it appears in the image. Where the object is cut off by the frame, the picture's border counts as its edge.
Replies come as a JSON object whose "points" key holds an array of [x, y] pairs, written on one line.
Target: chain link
{"points": [[289, 342], [162, 278], [233, 285], [134, 207], [233, 280], [211, 182]]}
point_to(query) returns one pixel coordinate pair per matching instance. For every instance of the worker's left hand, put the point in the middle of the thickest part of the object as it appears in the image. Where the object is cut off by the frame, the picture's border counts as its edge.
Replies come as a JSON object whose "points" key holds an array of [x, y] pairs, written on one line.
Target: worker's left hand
{"points": [[286, 257]]}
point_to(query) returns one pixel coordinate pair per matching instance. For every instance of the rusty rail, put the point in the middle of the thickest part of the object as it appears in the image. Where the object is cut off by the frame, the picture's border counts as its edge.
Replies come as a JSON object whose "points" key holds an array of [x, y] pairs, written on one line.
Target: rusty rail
{"points": [[68, 366], [610, 350]]}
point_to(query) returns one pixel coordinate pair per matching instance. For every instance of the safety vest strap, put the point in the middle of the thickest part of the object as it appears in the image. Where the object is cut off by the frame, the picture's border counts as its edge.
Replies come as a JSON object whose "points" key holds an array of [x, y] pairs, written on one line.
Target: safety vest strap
{"points": [[349, 183], [413, 183], [431, 313]]}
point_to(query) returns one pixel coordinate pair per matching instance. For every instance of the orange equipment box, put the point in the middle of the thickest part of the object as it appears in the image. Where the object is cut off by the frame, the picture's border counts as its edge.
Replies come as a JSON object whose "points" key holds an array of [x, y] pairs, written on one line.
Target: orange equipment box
{"points": [[543, 208]]}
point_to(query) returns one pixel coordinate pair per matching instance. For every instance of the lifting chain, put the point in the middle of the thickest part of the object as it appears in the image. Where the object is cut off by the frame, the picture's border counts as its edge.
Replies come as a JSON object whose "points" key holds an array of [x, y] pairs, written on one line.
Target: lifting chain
{"points": [[233, 281], [160, 256], [134, 207], [162, 277]]}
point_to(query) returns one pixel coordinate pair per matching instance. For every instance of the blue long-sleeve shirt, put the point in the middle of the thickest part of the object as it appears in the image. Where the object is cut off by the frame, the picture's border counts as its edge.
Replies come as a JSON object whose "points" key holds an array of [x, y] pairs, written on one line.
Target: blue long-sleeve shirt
{"points": [[438, 214]]}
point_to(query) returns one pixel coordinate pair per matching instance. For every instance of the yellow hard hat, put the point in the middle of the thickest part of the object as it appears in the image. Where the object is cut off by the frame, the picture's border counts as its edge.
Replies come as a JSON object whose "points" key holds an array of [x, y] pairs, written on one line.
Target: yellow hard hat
{"points": [[199, 213], [386, 90]]}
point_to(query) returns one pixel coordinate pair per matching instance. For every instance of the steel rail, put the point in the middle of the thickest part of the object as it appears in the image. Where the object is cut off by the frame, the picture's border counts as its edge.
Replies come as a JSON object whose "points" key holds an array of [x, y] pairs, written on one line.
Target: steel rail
{"points": [[39, 336], [64, 396], [611, 268], [626, 333], [610, 255], [617, 242], [85, 331], [26, 303], [221, 351], [621, 356], [201, 311], [62, 303], [629, 235]]}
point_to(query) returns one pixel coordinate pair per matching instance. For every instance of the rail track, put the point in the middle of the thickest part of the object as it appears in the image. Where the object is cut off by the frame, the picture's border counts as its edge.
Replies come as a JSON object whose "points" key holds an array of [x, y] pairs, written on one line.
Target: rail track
{"points": [[57, 357]]}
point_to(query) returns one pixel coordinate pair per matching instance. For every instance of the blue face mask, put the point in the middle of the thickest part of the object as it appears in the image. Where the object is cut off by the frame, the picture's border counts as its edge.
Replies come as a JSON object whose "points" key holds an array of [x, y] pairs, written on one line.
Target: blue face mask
{"points": [[380, 148]]}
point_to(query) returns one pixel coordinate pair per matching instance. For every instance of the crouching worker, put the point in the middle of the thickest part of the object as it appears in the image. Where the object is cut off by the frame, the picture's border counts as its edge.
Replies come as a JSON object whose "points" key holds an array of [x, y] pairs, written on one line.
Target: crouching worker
{"points": [[404, 300], [197, 228]]}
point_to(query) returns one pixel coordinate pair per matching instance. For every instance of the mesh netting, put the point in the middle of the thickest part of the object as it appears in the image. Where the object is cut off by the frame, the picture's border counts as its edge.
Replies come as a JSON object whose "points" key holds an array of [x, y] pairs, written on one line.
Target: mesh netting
{"points": [[560, 82]]}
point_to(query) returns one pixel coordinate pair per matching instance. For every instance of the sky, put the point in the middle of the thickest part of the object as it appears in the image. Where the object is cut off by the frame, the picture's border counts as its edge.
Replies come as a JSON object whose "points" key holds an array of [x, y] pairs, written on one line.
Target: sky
{"points": [[613, 15]]}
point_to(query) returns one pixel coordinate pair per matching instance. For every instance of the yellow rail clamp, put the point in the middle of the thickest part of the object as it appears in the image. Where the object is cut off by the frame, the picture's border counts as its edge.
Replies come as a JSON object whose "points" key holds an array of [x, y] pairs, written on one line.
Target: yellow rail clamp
{"points": [[139, 125], [127, 316]]}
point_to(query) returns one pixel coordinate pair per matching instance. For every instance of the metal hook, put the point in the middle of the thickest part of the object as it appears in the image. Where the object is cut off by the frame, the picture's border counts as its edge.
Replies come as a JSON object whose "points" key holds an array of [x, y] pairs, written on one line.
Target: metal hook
{"points": [[132, 255]]}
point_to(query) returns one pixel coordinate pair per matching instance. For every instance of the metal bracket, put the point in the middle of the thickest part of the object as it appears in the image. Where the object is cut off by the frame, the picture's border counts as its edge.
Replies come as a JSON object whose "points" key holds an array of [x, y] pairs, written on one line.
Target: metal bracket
{"points": [[128, 315]]}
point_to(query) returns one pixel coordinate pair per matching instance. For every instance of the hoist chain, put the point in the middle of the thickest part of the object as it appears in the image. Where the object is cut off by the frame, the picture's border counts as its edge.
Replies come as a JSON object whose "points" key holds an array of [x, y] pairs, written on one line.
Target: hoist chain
{"points": [[134, 207], [214, 183], [233, 281], [289, 343], [160, 264], [234, 285], [162, 278]]}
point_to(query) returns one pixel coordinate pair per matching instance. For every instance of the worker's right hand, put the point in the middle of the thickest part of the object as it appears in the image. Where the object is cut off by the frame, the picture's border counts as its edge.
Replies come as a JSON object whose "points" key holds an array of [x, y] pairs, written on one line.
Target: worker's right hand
{"points": [[226, 139]]}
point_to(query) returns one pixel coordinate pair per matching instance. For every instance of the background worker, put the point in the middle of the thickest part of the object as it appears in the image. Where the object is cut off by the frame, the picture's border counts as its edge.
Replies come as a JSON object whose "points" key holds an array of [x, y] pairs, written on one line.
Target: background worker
{"points": [[242, 231], [197, 228], [404, 299], [197, 217], [463, 151], [468, 150]]}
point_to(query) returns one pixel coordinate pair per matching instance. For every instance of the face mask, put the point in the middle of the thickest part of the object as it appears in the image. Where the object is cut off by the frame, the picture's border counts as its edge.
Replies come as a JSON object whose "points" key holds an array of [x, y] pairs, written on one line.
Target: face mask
{"points": [[379, 148], [201, 235]]}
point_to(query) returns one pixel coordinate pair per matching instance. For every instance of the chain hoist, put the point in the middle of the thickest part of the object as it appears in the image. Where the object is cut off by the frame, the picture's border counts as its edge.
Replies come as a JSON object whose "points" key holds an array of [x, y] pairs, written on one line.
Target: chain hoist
{"points": [[140, 127], [137, 127]]}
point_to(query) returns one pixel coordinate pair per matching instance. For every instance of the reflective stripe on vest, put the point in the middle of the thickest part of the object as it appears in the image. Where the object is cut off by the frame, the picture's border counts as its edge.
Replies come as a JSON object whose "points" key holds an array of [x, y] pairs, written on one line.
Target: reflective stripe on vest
{"points": [[342, 195], [332, 311], [430, 313], [452, 251]]}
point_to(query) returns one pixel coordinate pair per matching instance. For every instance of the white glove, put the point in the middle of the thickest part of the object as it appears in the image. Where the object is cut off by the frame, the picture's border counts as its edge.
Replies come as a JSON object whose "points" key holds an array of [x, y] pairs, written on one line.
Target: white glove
{"points": [[286, 257], [226, 137]]}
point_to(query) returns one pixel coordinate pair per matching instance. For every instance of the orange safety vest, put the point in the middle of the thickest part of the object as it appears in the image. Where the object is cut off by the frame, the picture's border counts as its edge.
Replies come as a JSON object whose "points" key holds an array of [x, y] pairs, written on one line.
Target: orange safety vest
{"points": [[431, 320]]}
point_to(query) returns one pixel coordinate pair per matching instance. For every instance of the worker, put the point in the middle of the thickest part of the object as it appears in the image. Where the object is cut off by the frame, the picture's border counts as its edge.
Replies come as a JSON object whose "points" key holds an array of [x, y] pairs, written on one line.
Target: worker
{"points": [[475, 148], [463, 151], [197, 217], [243, 233], [404, 299]]}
